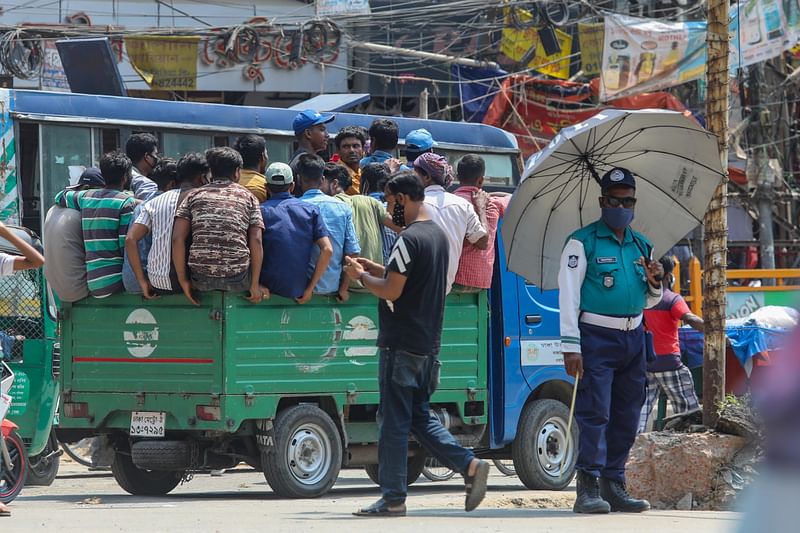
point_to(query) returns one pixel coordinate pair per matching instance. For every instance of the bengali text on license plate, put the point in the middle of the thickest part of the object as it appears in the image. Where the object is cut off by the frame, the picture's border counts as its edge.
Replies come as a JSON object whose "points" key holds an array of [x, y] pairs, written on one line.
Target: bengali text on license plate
{"points": [[147, 424]]}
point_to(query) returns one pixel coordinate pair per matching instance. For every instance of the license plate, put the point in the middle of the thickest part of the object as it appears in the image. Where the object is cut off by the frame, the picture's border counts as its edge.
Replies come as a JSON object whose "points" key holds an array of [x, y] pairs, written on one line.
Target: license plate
{"points": [[147, 424]]}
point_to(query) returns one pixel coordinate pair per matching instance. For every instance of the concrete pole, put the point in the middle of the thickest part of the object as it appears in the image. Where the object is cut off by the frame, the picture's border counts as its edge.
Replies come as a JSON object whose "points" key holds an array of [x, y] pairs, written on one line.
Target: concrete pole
{"points": [[423, 103], [716, 219]]}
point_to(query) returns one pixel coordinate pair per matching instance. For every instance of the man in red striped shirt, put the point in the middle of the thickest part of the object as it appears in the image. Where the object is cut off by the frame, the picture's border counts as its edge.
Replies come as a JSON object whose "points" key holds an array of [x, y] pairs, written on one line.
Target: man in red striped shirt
{"points": [[475, 266]]}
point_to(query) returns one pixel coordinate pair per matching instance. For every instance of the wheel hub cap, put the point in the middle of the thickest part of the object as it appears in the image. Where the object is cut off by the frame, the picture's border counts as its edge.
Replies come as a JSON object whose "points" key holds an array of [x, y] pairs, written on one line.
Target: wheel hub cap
{"points": [[551, 446], [309, 454]]}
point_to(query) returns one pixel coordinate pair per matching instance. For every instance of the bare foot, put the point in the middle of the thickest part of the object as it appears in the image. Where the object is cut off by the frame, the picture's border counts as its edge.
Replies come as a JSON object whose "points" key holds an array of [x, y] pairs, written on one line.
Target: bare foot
{"points": [[4, 510]]}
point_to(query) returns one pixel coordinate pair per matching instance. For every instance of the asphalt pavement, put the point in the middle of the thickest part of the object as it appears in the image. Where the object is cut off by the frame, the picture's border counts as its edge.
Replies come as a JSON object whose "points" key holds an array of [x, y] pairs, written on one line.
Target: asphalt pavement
{"points": [[240, 500]]}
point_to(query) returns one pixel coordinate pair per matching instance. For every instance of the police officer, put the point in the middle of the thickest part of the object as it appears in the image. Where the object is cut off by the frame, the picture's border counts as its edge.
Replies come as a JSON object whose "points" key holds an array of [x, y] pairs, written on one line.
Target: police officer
{"points": [[607, 277]]}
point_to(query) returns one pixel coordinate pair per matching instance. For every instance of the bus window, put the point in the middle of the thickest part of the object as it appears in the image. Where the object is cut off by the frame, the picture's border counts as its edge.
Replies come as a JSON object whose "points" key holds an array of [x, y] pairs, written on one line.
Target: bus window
{"points": [[106, 140], [28, 174], [177, 144], [279, 148], [66, 152], [499, 167]]}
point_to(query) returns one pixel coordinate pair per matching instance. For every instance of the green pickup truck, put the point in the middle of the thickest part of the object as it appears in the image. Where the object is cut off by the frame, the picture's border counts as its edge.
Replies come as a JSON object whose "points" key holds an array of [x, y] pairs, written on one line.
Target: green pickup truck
{"points": [[289, 389]]}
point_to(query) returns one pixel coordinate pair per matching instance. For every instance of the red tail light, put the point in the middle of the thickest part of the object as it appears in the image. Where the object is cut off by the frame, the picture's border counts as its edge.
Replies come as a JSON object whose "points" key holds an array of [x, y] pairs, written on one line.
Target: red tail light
{"points": [[76, 410], [208, 413]]}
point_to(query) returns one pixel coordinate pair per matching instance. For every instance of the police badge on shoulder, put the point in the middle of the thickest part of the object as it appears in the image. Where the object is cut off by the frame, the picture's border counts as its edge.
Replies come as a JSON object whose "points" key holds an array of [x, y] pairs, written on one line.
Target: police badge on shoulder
{"points": [[572, 261]]}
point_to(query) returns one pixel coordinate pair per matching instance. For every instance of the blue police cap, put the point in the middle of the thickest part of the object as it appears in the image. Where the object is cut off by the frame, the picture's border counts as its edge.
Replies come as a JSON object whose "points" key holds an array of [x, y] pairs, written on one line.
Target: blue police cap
{"points": [[617, 177]]}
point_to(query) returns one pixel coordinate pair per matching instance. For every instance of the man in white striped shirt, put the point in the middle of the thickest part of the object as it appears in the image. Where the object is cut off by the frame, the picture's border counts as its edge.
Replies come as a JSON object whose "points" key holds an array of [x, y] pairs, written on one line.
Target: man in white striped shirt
{"points": [[157, 218]]}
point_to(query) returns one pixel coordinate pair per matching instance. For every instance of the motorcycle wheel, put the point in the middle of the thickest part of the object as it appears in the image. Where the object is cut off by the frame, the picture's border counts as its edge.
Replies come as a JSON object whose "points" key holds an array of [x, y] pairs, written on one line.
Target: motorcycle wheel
{"points": [[12, 480]]}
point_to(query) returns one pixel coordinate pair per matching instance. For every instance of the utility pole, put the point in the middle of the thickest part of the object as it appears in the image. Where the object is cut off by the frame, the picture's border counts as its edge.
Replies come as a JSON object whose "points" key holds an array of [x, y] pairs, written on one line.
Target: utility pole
{"points": [[423, 103], [716, 220], [763, 174]]}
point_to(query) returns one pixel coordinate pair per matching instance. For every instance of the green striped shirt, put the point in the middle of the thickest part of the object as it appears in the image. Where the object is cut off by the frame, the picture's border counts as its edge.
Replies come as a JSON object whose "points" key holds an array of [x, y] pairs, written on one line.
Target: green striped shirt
{"points": [[105, 217]]}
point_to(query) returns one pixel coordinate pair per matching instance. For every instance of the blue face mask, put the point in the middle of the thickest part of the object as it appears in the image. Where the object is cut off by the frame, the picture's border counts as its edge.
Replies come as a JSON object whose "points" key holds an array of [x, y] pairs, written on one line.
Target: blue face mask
{"points": [[617, 217]]}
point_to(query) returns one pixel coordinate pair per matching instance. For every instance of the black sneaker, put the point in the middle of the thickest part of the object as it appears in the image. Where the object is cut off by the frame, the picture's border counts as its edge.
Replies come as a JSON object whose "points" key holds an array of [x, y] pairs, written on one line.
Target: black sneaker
{"points": [[615, 493], [589, 500]]}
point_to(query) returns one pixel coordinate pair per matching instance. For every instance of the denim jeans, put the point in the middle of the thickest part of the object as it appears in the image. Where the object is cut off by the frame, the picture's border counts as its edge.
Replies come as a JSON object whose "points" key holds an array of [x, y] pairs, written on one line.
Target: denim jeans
{"points": [[238, 283], [404, 409]]}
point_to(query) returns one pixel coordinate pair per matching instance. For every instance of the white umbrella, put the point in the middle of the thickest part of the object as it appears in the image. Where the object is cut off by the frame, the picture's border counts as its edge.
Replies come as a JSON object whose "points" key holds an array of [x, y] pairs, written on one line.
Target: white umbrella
{"points": [[677, 168]]}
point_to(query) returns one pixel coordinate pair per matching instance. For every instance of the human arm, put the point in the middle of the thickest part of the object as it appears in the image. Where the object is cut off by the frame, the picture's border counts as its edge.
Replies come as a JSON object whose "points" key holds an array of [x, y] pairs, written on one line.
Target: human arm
{"points": [[180, 232], [137, 233], [388, 288], [69, 199], [30, 258], [324, 259], [694, 321], [351, 249], [571, 274], [257, 292], [476, 232]]}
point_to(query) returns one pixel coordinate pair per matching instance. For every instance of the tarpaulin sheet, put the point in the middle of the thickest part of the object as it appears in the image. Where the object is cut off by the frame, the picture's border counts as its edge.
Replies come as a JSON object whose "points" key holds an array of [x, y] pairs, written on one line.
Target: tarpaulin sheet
{"points": [[747, 341]]}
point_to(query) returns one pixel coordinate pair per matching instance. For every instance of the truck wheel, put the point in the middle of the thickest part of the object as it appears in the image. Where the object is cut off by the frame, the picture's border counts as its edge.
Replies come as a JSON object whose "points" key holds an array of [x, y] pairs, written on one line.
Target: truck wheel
{"points": [[143, 482], [307, 456], [43, 468], [161, 455], [12, 481], [414, 468], [540, 444]]}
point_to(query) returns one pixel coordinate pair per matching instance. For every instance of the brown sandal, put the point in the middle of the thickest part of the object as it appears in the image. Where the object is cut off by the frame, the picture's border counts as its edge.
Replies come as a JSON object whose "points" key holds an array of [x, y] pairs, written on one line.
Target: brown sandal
{"points": [[475, 486]]}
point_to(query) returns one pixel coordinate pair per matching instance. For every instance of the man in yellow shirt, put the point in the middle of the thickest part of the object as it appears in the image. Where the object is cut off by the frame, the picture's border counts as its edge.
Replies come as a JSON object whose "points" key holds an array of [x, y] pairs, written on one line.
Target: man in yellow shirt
{"points": [[349, 143], [253, 149]]}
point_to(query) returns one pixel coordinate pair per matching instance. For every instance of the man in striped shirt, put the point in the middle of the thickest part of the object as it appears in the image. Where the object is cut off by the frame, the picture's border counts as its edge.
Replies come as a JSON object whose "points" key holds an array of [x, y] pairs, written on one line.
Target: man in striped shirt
{"points": [[105, 216], [156, 218]]}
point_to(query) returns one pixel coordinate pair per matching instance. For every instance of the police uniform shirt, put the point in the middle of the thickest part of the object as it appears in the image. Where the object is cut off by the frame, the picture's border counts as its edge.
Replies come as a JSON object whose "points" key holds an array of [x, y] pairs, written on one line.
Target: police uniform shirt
{"points": [[600, 275]]}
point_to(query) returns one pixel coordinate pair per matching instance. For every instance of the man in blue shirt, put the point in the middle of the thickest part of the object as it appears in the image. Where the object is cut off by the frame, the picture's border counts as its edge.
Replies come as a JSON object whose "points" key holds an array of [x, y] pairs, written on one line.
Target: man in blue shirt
{"points": [[293, 229], [383, 136], [338, 217]]}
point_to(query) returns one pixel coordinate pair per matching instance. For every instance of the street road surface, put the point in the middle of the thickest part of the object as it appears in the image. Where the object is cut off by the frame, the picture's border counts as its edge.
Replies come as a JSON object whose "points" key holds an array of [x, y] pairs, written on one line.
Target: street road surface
{"points": [[81, 501]]}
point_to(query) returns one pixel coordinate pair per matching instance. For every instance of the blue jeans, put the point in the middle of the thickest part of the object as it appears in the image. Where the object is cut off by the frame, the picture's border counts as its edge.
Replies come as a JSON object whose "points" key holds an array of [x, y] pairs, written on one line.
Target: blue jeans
{"points": [[610, 398], [405, 380]]}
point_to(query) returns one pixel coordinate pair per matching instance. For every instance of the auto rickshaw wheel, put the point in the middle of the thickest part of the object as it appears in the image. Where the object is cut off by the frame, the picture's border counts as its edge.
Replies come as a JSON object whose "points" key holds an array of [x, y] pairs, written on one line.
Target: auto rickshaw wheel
{"points": [[143, 482], [43, 468]]}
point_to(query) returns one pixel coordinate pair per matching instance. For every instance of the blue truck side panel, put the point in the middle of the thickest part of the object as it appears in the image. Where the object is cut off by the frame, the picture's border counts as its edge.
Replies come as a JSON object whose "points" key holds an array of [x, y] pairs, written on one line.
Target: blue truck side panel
{"points": [[524, 333]]}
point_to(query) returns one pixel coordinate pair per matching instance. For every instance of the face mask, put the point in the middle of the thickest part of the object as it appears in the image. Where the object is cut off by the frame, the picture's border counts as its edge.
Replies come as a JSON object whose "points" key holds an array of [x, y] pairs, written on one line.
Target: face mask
{"points": [[399, 214], [617, 217]]}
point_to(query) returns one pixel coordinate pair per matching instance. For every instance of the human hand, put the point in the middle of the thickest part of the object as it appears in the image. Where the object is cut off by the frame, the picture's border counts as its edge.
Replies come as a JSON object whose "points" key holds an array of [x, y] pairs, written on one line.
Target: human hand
{"points": [[186, 285], [257, 293], [147, 290], [372, 268], [343, 296], [353, 268], [306, 297], [654, 271], [573, 363], [394, 164]]}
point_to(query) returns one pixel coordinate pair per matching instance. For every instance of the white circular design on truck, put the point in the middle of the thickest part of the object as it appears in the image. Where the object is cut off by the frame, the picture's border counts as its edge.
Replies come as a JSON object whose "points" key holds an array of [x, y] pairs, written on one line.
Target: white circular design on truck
{"points": [[141, 334]]}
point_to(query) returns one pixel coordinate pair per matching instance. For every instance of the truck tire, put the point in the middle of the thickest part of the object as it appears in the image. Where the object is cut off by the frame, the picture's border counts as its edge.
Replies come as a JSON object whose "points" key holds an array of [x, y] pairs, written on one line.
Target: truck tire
{"points": [[307, 456], [12, 481], [414, 468], [539, 445], [43, 468], [161, 455], [143, 482]]}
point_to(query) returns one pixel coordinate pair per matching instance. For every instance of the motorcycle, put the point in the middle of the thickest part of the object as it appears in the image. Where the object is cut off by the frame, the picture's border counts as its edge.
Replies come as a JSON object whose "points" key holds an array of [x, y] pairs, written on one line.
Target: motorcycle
{"points": [[13, 457]]}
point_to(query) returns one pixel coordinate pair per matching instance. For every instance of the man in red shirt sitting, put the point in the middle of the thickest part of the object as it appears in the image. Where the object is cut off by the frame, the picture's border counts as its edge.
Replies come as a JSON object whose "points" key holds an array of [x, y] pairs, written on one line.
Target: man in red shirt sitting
{"points": [[667, 373]]}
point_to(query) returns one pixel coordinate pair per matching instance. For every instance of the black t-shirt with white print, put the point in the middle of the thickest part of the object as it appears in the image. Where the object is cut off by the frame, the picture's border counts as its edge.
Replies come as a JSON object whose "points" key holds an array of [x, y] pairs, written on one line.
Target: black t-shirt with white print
{"points": [[413, 322]]}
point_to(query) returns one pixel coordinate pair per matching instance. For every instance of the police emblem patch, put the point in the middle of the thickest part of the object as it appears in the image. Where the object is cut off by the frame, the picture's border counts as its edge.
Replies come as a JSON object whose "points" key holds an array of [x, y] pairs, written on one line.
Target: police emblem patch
{"points": [[617, 175], [608, 281], [573, 261]]}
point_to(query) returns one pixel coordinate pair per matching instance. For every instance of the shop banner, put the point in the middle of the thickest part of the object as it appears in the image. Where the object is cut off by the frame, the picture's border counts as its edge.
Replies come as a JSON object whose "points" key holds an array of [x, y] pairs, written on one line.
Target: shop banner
{"points": [[53, 77], [515, 43], [590, 36], [642, 55], [166, 63], [535, 110], [762, 29], [326, 8]]}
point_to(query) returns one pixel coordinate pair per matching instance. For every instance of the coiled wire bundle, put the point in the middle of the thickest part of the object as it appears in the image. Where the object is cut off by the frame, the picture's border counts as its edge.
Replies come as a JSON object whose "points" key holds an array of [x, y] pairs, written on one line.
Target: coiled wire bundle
{"points": [[21, 54]]}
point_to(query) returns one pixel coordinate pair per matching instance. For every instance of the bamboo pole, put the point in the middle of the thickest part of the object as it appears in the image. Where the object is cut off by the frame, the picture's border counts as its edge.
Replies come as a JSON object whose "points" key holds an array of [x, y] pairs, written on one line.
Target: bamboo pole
{"points": [[716, 220]]}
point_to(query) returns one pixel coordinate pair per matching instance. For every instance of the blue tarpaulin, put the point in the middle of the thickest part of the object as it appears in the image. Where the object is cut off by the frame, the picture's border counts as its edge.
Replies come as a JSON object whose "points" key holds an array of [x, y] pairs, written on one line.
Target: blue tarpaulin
{"points": [[747, 342], [477, 96]]}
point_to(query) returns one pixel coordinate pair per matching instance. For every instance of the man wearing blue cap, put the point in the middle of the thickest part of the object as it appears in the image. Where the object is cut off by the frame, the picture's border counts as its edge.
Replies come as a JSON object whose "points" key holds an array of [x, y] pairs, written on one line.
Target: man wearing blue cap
{"points": [[311, 133], [606, 279], [418, 142]]}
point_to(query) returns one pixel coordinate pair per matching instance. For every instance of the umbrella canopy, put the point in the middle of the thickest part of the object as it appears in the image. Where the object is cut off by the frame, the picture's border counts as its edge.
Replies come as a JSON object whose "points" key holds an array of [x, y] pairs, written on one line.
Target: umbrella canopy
{"points": [[677, 168]]}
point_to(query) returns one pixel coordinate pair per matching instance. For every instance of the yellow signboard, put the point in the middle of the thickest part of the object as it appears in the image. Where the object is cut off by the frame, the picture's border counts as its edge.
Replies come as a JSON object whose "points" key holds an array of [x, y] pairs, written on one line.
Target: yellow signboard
{"points": [[590, 36], [516, 42], [166, 63]]}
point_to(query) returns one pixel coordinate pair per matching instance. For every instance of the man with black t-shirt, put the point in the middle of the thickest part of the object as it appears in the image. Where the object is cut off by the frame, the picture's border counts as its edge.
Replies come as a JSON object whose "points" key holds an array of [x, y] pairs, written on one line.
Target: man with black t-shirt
{"points": [[412, 290]]}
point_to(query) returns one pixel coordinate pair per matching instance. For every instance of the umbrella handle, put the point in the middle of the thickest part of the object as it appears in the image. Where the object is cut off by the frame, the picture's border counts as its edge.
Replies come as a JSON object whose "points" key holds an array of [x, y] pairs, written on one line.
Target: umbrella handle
{"points": [[569, 424]]}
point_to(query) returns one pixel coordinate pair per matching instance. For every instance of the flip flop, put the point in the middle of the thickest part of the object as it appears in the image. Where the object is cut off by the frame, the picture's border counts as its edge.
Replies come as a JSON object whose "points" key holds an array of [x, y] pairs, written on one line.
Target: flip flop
{"points": [[475, 486], [379, 509]]}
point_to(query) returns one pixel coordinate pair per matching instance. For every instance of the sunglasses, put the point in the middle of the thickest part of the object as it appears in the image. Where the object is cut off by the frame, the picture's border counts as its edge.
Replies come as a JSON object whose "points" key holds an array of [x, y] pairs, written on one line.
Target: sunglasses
{"points": [[615, 201]]}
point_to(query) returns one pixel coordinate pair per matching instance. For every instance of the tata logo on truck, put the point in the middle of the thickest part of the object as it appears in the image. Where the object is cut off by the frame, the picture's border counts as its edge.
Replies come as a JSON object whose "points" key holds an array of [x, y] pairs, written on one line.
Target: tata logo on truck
{"points": [[141, 333]]}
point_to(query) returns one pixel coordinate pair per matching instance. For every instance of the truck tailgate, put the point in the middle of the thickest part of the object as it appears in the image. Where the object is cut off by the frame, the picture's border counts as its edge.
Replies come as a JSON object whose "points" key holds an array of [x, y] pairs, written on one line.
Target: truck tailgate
{"points": [[124, 344]]}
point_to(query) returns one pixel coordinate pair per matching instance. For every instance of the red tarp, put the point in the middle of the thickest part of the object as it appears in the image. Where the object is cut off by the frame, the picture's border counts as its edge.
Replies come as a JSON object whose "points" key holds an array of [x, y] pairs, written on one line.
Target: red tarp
{"points": [[546, 106]]}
